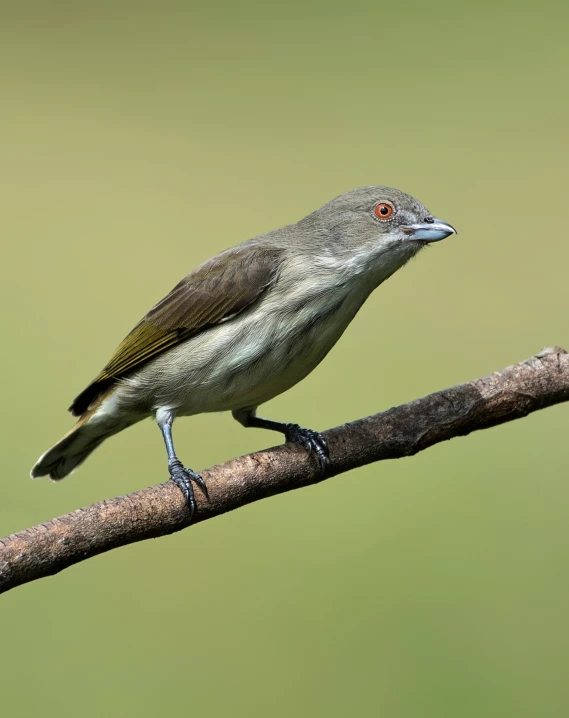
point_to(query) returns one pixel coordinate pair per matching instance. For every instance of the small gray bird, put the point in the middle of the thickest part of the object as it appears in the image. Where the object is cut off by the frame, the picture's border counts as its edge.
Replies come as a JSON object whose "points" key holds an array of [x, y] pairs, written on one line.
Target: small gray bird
{"points": [[247, 325]]}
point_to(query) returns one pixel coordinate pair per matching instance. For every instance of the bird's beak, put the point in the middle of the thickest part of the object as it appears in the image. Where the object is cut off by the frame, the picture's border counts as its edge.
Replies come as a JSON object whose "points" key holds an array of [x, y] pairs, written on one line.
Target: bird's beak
{"points": [[431, 230]]}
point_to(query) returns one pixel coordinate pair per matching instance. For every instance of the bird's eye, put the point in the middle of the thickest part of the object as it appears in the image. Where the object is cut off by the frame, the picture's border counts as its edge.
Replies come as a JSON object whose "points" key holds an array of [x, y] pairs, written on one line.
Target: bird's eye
{"points": [[383, 210]]}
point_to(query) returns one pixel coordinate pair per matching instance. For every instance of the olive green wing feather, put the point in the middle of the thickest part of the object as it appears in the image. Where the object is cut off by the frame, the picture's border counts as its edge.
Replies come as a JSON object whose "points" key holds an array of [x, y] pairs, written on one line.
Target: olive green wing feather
{"points": [[215, 291]]}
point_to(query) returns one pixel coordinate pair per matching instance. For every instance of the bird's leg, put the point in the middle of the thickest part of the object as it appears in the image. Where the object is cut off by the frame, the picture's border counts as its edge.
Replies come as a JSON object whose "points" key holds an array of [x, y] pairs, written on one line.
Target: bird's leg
{"points": [[181, 476], [312, 441]]}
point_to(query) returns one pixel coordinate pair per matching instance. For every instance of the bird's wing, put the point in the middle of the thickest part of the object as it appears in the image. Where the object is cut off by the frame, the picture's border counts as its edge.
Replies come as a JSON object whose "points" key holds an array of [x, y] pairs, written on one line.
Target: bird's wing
{"points": [[215, 291]]}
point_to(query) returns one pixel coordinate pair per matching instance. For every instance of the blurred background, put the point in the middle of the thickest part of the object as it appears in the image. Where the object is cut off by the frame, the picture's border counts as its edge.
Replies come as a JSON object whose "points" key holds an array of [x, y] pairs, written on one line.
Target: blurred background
{"points": [[140, 138]]}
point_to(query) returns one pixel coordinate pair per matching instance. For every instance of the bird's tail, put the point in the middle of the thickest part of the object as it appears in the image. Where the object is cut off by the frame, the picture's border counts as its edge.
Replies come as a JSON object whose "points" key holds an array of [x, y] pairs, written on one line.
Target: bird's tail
{"points": [[59, 461]]}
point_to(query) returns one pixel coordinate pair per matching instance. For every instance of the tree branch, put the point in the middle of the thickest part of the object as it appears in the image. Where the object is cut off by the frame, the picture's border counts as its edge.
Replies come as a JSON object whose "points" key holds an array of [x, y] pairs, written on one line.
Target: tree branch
{"points": [[405, 430]]}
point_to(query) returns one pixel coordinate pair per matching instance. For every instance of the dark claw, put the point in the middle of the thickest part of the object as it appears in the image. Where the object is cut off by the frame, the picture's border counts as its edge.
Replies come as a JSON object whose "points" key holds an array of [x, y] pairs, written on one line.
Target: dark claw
{"points": [[312, 441], [183, 479], [201, 483]]}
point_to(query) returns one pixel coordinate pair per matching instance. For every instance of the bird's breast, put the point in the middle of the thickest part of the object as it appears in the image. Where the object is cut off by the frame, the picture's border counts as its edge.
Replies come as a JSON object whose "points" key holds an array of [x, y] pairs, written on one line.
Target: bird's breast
{"points": [[255, 356]]}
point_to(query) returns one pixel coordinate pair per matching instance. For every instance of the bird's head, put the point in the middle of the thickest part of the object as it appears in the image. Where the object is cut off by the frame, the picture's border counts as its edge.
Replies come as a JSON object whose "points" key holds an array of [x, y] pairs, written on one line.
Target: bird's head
{"points": [[375, 227]]}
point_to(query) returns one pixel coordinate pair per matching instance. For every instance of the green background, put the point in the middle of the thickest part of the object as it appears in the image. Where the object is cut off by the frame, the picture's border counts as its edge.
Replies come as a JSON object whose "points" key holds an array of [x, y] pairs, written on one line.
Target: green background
{"points": [[140, 138]]}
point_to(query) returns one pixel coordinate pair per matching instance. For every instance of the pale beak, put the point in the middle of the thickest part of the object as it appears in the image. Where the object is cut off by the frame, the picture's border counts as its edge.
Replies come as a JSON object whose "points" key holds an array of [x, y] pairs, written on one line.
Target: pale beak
{"points": [[431, 230]]}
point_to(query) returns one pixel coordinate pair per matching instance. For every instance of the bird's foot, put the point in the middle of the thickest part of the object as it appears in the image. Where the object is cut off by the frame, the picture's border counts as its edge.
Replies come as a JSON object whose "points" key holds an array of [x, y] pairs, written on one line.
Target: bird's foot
{"points": [[312, 441], [183, 479]]}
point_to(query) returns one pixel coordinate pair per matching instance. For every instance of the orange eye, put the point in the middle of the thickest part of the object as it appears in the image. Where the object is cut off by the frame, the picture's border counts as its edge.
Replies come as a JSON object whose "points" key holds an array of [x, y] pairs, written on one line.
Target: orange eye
{"points": [[383, 210]]}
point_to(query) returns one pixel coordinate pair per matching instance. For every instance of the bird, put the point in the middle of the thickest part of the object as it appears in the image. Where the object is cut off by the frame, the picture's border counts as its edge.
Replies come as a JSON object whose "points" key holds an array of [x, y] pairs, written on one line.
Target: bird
{"points": [[247, 325]]}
